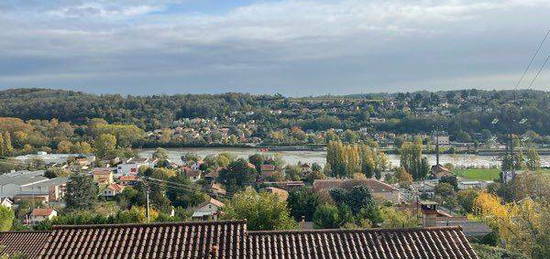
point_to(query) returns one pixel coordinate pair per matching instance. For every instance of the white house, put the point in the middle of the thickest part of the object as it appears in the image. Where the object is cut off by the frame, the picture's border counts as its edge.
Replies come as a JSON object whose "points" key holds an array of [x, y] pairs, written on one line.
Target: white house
{"points": [[132, 165], [112, 190], [6, 202], [208, 210], [39, 215], [442, 140], [463, 185]]}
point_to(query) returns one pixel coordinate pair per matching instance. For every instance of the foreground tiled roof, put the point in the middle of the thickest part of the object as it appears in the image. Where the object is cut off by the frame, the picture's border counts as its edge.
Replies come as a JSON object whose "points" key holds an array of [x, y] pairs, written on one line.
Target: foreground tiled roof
{"points": [[26, 243], [443, 242], [222, 239], [230, 239]]}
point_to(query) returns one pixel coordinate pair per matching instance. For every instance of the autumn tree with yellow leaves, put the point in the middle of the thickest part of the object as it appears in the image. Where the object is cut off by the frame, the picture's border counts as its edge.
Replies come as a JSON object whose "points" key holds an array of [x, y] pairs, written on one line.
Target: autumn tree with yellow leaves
{"points": [[521, 226]]}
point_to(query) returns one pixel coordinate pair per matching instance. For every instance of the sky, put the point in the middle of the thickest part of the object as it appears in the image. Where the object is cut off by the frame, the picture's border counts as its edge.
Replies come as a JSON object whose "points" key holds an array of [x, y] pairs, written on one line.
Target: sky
{"points": [[292, 47]]}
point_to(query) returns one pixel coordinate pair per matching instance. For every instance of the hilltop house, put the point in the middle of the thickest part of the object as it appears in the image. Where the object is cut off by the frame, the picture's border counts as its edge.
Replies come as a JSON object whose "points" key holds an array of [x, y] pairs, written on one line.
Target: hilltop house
{"points": [[208, 210], [39, 215], [103, 176], [379, 190], [112, 190], [128, 180], [193, 174], [132, 165]]}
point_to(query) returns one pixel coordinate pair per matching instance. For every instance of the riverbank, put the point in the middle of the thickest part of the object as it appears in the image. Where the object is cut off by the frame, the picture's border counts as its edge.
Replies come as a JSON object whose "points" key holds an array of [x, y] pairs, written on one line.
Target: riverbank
{"points": [[308, 156], [261, 148]]}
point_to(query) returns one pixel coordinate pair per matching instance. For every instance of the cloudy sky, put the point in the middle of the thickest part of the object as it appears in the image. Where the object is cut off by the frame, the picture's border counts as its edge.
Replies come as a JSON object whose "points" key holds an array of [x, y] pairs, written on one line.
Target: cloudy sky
{"points": [[294, 47]]}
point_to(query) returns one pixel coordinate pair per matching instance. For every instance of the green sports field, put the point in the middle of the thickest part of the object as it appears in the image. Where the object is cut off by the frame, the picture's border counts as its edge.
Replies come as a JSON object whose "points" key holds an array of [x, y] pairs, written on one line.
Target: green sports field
{"points": [[484, 174]]}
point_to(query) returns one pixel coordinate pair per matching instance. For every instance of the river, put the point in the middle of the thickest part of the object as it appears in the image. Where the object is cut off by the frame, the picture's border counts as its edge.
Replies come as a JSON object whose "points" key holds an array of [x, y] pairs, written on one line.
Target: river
{"points": [[293, 157]]}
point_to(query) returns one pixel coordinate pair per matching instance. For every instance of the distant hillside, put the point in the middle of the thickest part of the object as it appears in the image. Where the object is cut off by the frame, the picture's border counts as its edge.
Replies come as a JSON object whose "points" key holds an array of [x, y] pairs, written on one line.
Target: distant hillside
{"points": [[467, 110]]}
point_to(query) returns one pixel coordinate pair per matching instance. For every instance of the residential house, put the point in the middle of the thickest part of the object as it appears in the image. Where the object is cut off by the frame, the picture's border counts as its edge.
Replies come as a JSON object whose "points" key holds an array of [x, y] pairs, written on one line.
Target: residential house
{"points": [[463, 185], [432, 216], [6, 202], [39, 215], [442, 140], [32, 196], [207, 210], [132, 165], [379, 190], [438, 171], [192, 174], [286, 185], [103, 176], [211, 176], [216, 189], [55, 188], [128, 180], [268, 171], [112, 190]]}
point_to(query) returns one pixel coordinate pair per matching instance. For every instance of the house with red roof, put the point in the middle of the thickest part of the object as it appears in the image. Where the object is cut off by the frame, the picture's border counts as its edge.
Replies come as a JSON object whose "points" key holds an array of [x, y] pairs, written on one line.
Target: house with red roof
{"points": [[112, 190], [39, 215]]}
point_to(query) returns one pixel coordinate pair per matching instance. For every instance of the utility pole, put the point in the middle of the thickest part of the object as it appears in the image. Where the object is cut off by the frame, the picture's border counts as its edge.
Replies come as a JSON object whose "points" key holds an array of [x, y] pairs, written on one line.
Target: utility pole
{"points": [[147, 213], [437, 146]]}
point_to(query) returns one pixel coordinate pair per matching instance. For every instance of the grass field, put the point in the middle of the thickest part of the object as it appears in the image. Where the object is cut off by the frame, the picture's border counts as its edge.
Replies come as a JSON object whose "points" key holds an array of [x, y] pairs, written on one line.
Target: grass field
{"points": [[482, 174]]}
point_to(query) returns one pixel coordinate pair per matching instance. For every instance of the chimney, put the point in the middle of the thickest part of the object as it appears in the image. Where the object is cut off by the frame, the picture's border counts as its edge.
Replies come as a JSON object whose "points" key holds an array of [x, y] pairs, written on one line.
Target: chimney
{"points": [[214, 251], [429, 213]]}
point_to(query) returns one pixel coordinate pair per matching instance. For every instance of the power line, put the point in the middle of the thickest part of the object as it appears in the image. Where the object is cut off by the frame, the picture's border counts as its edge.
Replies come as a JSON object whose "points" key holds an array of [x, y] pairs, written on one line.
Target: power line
{"points": [[532, 59], [179, 186], [540, 70]]}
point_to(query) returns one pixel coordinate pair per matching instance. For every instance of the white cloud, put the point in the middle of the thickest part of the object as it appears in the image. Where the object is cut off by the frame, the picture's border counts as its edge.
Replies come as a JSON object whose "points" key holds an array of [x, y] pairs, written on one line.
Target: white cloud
{"points": [[98, 10], [279, 43]]}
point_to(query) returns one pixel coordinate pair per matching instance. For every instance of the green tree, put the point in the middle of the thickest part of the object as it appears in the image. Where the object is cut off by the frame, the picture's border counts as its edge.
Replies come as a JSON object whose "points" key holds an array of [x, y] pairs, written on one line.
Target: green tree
{"points": [[532, 159], [262, 211], [257, 160], [81, 193], [185, 197], [412, 160], [357, 198], [105, 144], [466, 199], [237, 175], [160, 153], [327, 217], [6, 218], [64, 146], [303, 203], [398, 219], [54, 172]]}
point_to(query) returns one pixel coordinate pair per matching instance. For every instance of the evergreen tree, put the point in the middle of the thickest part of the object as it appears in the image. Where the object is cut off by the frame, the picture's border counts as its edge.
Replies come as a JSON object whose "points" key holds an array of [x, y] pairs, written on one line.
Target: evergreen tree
{"points": [[81, 193]]}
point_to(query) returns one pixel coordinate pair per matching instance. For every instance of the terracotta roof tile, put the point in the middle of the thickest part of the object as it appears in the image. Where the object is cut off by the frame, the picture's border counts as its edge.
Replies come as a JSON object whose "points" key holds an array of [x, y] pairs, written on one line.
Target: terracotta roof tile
{"points": [[27, 243], [443, 242], [230, 239], [42, 212], [222, 239]]}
